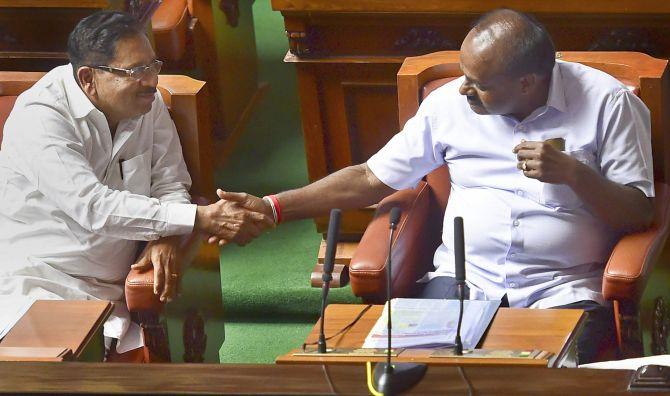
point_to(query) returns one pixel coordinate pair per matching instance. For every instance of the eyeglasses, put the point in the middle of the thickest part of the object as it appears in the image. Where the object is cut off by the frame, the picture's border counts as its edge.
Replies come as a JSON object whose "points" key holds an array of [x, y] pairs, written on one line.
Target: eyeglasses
{"points": [[138, 72]]}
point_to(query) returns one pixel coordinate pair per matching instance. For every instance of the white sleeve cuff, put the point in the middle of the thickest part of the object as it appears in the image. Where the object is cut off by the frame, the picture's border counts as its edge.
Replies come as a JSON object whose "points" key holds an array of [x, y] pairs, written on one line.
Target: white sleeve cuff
{"points": [[180, 218]]}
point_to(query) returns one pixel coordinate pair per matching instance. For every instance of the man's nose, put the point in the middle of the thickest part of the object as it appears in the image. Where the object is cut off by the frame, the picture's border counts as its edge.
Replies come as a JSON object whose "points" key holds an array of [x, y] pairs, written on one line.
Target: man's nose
{"points": [[149, 80], [465, 89]]}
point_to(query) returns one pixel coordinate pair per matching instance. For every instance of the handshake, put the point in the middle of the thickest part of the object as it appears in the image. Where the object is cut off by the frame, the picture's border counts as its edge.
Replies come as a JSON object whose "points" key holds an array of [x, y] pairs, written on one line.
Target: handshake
{"points": [[236, 217]]}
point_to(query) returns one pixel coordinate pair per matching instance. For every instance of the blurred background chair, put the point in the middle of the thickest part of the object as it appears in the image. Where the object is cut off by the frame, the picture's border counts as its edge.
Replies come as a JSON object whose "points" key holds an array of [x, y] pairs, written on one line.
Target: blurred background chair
{"points": [[188, 103], [628, 282]]}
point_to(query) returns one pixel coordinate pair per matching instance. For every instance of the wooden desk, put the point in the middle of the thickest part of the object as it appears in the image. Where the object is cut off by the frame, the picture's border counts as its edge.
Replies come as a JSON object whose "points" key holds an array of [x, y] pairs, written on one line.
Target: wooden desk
{"points": [[59, 324], [347, 54], [91, 378], [552, 330]]}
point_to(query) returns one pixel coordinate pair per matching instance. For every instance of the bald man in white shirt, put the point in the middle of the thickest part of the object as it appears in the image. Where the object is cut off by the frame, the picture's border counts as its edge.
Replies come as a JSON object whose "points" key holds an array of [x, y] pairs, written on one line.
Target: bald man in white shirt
{"points": [[540, 222], [90, 165]]}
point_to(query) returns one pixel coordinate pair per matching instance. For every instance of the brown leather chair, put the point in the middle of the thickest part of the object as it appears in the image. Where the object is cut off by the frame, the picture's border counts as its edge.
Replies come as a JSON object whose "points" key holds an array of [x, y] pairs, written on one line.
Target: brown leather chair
{"points": [[419, 231], [187, 100], [170, 25]]}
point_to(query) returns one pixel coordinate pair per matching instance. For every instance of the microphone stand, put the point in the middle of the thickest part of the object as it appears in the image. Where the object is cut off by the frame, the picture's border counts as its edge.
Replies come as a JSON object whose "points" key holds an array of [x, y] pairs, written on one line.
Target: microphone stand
{"points": [[458, 347], [459, 260], [327, 276], [394, 379]]}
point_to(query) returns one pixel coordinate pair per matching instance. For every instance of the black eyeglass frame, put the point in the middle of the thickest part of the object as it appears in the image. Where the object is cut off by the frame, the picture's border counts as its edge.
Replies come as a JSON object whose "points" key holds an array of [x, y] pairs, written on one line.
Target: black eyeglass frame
{"points": [[137, 72]]}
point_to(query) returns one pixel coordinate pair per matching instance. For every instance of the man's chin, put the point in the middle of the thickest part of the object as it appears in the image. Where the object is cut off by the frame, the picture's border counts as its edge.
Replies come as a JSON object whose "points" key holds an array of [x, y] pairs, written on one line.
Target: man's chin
{"points": [[143, 107], [479, 109]]}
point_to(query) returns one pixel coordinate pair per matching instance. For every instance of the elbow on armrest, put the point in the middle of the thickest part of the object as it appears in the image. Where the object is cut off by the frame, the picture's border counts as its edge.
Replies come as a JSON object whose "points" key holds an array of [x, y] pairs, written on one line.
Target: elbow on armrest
{"points": [[635, 254]]}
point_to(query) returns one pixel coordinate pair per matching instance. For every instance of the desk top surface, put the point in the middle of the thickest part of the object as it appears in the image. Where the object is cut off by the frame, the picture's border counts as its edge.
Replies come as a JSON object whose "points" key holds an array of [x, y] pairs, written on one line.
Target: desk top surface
{"points": [[551, 330], [54, 323]]}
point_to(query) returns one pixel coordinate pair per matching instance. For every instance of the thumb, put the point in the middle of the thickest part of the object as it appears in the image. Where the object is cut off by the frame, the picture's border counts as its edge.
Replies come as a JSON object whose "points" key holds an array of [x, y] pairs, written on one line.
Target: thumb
{"points": [[238, 197], [143, 264]]}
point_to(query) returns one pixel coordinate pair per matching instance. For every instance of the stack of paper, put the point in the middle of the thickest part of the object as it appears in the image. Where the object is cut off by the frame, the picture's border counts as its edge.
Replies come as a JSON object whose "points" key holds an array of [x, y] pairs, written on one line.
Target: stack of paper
{"points": [[429, 323], [629, 364]]}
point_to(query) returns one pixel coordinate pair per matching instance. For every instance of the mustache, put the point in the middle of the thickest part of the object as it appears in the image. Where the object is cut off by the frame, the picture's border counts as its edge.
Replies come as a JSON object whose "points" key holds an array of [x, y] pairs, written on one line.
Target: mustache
{"points": [[148, 91], [473, 99]]}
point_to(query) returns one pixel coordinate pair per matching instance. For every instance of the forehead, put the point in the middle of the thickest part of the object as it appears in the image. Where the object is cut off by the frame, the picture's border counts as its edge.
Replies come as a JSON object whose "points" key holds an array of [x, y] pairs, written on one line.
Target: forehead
{"points": [[479, 60], [132, 51]]}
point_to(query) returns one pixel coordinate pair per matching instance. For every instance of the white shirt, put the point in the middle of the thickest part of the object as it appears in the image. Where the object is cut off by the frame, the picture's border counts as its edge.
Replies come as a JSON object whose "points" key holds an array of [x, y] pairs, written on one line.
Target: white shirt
{"points": [[75, 202], [534, 241]]}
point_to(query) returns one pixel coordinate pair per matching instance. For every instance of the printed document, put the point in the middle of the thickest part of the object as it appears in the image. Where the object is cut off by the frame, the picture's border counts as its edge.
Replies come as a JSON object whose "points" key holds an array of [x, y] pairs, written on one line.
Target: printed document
{"points": [[428, 323]]}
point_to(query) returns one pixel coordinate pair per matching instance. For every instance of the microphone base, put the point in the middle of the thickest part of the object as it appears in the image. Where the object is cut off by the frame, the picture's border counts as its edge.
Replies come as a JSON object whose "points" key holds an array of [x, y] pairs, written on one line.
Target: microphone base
{"points": [[399, 379]]}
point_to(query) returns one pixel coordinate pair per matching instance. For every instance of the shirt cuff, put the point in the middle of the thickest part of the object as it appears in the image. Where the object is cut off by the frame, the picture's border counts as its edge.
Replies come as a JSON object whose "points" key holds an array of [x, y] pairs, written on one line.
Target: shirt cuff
{"points": [[180, 218]]}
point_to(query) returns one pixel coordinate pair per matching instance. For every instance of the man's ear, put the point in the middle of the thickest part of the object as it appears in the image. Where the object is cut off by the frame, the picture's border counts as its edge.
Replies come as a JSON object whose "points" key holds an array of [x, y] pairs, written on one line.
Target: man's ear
{"points": [[528, 82], [86, 80]]}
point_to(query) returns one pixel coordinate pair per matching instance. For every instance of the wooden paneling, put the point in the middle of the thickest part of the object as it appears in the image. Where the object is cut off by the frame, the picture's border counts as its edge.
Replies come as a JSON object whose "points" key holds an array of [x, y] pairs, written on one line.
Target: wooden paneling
{"points": [[271, 379], [33, 34], [55, 3], [347, 54]]}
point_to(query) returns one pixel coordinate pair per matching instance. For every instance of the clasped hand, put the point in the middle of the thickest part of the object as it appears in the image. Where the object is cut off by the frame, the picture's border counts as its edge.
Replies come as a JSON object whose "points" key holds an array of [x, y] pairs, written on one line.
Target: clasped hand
{"points": [[542, 161], [236, 217], [162, 255]]}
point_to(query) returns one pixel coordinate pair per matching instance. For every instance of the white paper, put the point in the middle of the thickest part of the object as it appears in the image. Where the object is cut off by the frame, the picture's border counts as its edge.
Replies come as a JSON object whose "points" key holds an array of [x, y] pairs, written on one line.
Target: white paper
{"points": [[12, 308], [418, 322], [630, 364]]}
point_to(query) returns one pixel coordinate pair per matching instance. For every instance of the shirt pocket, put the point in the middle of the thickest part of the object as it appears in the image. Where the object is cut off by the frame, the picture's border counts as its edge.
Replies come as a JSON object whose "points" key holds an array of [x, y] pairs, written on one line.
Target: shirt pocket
{"points": [[136, 173], [561, 195]]}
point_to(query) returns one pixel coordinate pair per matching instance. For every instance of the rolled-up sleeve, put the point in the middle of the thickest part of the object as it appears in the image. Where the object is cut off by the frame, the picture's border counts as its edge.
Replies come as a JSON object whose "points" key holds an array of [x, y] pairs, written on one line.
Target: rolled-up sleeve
{"points": [[625, 145], [409, 155]]}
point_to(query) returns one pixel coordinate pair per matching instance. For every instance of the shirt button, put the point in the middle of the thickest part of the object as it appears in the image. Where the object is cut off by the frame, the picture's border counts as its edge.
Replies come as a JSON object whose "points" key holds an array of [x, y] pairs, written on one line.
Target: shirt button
{"points": [[512, 284], [521, 128], [515, 223], [512, 254], [519, 193]]}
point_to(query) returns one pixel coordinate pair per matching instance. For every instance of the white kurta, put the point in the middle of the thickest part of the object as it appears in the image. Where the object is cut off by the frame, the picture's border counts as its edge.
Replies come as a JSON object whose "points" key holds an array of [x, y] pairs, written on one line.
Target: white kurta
{"points": [[534, 241], [75, 202]]}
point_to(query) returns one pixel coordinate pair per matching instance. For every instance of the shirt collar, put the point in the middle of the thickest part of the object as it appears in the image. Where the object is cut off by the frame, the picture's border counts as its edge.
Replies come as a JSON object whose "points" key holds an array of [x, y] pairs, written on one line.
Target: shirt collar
{"points": [[556, 97], [80, 104]]}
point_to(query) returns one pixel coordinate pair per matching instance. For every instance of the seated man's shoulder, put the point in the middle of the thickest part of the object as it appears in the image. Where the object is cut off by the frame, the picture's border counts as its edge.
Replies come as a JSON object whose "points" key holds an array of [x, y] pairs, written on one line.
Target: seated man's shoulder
{"points": [[48, 92], [591, 81]]}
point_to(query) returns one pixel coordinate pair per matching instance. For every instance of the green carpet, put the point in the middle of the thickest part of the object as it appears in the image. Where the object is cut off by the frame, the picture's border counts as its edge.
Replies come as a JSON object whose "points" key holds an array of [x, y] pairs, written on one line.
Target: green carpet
{"points": [[269, 306]]}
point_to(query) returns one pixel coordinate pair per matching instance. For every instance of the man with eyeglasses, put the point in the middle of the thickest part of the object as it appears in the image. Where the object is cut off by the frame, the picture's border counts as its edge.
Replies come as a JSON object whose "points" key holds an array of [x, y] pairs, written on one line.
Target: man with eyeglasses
{"points": [[91, 164]]}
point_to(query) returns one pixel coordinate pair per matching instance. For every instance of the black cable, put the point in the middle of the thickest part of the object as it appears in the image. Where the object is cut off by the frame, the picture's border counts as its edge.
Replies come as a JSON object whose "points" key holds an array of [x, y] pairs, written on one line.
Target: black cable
{"points": [[324, 367], [471, 390], [345, 328]]}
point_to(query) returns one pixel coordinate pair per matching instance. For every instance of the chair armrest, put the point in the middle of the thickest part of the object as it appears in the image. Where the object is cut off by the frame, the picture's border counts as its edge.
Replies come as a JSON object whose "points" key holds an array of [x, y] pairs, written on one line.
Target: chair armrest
{"points": [[635, 254], [139, 286], [417, 237]]}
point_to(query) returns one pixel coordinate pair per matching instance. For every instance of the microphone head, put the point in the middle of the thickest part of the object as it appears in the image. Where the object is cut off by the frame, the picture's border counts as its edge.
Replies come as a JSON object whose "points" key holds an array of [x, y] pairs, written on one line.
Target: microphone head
{"points": [[395, 216], [331, 241], [459, 249]]}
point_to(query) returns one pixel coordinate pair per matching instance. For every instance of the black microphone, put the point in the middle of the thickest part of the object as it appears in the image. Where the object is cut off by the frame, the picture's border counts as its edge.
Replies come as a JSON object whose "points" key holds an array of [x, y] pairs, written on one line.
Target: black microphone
{"points": [[328, 265], [394, 379], [459, 258]]}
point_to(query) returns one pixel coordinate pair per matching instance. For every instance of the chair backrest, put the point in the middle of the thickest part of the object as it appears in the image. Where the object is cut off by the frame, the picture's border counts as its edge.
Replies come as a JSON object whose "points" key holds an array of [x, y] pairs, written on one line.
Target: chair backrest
{"points": [[646, 76], [189, 107]]}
